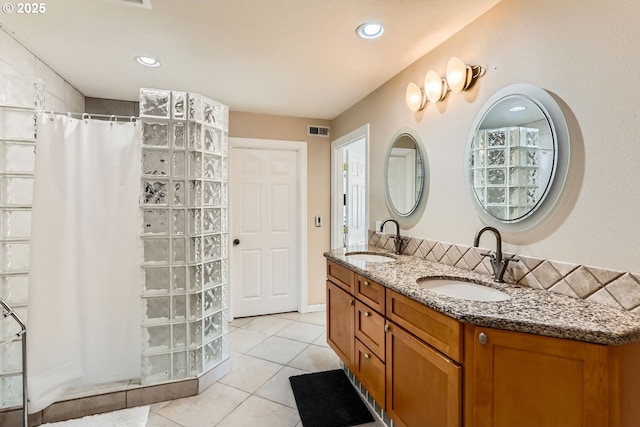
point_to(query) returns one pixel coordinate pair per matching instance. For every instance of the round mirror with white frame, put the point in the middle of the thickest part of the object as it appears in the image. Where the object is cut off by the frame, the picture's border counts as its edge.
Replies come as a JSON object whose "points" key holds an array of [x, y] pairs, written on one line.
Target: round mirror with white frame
{"points": [[405, 174], [517, 157]]}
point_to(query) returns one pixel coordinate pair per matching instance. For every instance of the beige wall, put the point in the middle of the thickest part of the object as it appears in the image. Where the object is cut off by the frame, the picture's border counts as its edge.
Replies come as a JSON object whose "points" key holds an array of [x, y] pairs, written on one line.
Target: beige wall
{"points": [[263, 126], [583, 52]]}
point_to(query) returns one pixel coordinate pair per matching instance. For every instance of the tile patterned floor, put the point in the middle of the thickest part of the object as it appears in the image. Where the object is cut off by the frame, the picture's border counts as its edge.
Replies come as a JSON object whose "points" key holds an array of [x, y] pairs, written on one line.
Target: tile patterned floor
{"points": [[265, 352]]}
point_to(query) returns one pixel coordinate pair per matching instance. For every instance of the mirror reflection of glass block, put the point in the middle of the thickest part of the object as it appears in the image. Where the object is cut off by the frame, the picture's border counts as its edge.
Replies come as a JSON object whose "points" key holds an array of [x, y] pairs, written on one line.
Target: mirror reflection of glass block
{"points": [[479, 140], [179, 223], [156, 338], [195, 278], [17, 191], [156, 250], [195, 108], [179, 335], [532, 157], [195, 221], [517, 196], [212, 274], [179, 194], [496, 195], [479, 178], [517, 176], [496, 157], [17, 125], [223, 221], [15, 289], [532, 176], [195, 165], [532, 196], [15, 257], [156, 368], [478, 158], [496, 138], [496, 176], [155, 192], [479, 191], [533, 138], [179, 310], [179, 279], [155, 221], [154, 103], [179, 104], [155, 134], [12, 391], [12, 356], [195, 306], [179, 250], [18, 157], [195, 193], [179, 134], [195, 249], [497, 211], [195, 334], [156, 309], [156, 280], [180, 368], [516, 212], [195, 136], [16, 224], [179, 164], [195, 361]]}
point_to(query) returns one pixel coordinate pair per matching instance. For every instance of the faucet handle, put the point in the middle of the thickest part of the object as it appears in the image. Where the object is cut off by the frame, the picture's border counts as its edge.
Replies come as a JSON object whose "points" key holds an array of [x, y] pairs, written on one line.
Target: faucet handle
{"points": [[510, 258], [489, 254]]}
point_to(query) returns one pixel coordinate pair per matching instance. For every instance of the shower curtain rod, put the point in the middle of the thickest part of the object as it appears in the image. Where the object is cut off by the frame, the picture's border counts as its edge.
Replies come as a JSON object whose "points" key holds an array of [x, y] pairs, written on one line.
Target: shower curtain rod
{"points": [[111, 117]]}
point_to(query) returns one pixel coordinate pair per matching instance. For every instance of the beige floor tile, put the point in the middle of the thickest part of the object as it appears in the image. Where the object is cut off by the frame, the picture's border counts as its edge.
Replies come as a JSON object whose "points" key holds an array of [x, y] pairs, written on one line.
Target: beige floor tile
{"points": [[318, 318], [321, 340], [315, 359], [267, 324], [205, 409], [305, 332], [155, 407], [278, 388], [242, 340], [248, 373], [278, 350], [293, 315], [256, 411], [156, 420], [240, 321]]}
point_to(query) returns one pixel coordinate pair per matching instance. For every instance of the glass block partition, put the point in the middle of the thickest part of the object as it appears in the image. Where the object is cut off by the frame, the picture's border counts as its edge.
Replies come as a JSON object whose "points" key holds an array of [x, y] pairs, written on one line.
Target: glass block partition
{"points": [[19, 100], [184, 234]]}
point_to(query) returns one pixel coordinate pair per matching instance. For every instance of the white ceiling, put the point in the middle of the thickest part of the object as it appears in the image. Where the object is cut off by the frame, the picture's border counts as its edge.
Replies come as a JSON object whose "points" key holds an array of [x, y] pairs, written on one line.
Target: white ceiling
{"points": [[286, 57]]}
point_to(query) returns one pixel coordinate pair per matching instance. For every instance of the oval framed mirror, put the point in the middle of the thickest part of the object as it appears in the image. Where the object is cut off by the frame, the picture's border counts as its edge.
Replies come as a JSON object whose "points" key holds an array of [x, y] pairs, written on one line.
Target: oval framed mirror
{"points": [[517, 157], [405, 174]]}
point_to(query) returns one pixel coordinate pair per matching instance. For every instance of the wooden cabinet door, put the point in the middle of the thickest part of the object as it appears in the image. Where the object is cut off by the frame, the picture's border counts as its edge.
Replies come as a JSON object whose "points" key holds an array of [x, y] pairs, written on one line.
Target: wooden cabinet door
{"points": [[524, 380], [340, 323], [424, 388]]}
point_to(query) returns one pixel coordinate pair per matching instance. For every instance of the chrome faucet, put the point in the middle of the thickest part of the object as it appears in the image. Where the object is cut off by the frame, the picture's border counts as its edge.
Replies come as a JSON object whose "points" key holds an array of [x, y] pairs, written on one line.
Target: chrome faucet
{"points": [[397, 240], [498, 261]]}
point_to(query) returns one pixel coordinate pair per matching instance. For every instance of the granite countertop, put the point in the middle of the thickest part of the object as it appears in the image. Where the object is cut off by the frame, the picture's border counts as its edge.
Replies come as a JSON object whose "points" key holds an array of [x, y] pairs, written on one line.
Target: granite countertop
{"points": [[529, 310]]}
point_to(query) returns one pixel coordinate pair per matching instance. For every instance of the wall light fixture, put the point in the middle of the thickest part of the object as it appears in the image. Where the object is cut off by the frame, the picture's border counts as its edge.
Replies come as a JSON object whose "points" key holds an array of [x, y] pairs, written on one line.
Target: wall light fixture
{"points": [[415, 97], [460, 75], [435, 86]]}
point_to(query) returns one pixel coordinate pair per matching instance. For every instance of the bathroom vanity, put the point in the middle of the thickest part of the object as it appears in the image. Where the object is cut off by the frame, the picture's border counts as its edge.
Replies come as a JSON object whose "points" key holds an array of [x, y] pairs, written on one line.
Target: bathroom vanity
{"points": [[535, 359]]}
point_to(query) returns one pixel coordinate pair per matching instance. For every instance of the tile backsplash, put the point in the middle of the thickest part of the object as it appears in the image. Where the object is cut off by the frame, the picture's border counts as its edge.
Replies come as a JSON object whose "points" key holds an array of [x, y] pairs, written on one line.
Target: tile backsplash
{"points": [[615, 288]]}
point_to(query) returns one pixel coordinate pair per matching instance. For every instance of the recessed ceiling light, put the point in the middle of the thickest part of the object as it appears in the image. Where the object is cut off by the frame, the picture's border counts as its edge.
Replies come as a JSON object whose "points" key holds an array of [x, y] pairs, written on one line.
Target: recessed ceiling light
{"points": [[370, 30], [517, 108], [147, 61]]}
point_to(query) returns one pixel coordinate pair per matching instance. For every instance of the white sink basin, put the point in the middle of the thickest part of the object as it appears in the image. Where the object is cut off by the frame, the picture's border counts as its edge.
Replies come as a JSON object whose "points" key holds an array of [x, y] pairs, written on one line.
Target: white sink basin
{"points": [[462, 290], [370, 257]]}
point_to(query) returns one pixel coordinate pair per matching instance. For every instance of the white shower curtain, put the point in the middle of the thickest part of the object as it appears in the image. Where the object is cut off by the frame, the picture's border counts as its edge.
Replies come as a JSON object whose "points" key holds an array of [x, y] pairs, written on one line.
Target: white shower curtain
{"points": [[84, 291]]}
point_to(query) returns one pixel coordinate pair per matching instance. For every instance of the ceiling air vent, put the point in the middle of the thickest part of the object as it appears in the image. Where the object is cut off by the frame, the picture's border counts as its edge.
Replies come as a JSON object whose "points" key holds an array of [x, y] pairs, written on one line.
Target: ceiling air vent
{"points": [[318, 131]]}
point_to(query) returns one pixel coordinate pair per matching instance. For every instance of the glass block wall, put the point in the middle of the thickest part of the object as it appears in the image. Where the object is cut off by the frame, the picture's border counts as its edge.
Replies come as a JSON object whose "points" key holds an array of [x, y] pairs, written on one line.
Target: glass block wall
{"points": [[19, 101], [184, 234]]}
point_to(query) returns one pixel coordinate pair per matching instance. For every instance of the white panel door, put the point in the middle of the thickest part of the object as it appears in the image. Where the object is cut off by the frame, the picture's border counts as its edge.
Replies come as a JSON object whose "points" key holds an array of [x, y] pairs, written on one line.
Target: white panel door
{"points": [[356, 193], [265, 253]]}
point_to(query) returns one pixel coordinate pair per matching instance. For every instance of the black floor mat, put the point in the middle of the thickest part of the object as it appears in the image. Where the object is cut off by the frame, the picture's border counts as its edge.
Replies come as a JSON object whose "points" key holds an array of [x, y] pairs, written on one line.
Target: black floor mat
{"points": [[327, 399]]}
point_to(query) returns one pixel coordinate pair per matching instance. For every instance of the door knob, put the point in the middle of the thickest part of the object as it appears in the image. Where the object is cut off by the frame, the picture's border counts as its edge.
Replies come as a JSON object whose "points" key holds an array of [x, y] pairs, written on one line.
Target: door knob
{"points": [[482, 337], [236, 242], [366, 283], [367, 314], [350, 303]]}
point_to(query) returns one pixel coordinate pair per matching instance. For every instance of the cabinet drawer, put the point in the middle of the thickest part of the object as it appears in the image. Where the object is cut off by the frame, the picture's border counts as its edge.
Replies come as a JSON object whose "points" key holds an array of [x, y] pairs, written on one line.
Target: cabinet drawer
{"points": [[371, 372], [370, 329], [436, 329], [341, 276], [370, 292]]}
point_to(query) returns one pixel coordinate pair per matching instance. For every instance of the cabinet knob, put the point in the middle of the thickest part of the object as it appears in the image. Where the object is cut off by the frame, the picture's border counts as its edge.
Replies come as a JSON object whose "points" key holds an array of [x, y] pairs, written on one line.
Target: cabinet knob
{"points": [[366, 356], [482, 337], [366, 283], [367, 314], [386, 327], [350, 303]]}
